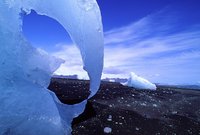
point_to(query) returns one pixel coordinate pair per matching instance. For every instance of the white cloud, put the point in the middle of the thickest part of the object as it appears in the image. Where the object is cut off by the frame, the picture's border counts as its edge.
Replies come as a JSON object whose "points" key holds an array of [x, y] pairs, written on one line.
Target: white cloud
{"points": [[73, 61]]}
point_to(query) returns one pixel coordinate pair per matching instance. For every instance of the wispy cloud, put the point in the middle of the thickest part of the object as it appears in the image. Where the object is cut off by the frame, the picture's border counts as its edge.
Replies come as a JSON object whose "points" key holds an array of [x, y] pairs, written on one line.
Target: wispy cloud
{"points": [[153, 47], [73, 62]]}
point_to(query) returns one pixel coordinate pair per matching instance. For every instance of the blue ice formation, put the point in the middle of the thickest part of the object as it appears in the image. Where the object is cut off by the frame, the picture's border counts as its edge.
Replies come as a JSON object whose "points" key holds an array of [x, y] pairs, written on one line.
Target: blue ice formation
{"points": [[26, 106], [139, 82]]}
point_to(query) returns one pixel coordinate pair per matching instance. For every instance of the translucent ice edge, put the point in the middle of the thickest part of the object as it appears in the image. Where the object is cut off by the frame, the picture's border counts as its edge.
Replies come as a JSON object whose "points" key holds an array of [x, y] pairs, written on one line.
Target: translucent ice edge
{"points": [[27, 107]]}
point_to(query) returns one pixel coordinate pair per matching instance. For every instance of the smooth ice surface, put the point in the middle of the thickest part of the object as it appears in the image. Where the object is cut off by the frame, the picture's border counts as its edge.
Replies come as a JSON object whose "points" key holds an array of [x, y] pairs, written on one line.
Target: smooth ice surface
{"points": [[26, 106], [139, 82]]}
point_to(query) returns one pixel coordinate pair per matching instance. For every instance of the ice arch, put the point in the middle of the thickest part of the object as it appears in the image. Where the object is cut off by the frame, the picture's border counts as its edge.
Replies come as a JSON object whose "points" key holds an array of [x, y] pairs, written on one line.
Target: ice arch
{"points": [[82, 20], [26, 105]]}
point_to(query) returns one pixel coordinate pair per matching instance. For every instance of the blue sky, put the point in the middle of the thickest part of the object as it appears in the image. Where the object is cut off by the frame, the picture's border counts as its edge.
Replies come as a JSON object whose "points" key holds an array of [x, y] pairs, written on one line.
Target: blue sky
{"points": [[158, 40]]}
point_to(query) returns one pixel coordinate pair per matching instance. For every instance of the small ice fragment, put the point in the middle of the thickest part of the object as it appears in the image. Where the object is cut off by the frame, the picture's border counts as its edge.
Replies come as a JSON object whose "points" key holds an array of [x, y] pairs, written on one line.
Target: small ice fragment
{"points": [[155, 105], [107, 130], [143, 104], [109, 118], [174, 112], [137, 128], [128, 105]]}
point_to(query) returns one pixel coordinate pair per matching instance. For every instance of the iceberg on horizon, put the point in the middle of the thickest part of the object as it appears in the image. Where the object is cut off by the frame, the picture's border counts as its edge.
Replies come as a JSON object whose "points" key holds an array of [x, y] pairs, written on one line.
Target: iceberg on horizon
{"points": [[139, 82]]}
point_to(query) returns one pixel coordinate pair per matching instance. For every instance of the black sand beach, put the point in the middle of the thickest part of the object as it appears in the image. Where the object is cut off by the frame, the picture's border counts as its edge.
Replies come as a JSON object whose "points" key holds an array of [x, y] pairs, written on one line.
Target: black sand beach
{"points": [[121, 110]]}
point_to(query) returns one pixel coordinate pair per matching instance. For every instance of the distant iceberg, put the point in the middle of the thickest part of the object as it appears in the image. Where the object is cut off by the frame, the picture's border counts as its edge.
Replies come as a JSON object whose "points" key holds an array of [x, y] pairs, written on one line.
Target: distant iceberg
{"points": [[139, 82]]}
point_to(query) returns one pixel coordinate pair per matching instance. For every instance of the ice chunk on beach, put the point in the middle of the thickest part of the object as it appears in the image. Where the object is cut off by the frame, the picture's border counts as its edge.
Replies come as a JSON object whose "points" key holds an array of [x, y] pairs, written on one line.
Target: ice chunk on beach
{"points": [[107, 130], [27, 107], [139, 82]]}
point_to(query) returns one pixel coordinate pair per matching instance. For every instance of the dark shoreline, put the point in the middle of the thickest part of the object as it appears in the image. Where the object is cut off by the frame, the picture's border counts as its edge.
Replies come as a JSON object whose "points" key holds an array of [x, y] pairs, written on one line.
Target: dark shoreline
{"points": [[128, 111]]}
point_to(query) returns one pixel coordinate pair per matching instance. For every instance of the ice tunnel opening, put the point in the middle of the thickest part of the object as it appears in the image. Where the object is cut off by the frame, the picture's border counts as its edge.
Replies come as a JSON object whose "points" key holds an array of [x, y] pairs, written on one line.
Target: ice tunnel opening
{"points": [[49, 35], [44, 32]]}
